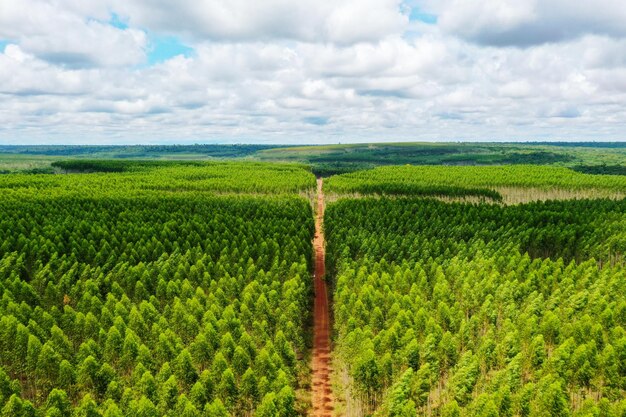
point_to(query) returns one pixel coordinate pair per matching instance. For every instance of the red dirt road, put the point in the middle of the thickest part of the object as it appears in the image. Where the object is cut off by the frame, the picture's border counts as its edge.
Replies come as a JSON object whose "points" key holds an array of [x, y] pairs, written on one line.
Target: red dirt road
{"points": [[322, 398]]}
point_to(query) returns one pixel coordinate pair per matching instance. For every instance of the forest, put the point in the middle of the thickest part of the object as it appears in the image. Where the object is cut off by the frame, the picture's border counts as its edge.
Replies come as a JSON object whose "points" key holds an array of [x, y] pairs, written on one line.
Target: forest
{"points": [[472, 309], [327, 160], [121, 299], [508, 183], [185, 287]]}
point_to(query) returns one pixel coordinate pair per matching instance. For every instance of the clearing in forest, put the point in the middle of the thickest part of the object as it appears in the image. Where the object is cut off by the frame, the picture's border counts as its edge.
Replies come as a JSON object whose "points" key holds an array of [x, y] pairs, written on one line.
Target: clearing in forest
{"points": [[322, 394]]}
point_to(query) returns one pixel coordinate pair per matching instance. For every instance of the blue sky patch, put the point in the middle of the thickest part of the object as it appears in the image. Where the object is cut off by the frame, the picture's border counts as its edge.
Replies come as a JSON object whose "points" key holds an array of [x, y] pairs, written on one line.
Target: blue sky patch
{"points": [[160, 48], [118, 22], [3, 44], [163, 48], [416, 13], [316, 120], [450, 116], [419, 15]]}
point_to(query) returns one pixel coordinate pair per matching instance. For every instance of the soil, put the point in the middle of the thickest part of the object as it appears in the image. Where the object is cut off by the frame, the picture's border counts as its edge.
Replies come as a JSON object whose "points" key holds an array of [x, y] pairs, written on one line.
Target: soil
{"points": [[322, 397]]}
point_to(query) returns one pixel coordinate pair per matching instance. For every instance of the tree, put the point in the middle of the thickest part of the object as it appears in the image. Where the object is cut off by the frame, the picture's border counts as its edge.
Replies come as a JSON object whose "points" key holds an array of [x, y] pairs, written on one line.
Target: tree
{"points": [[399, 402], [552, 399], [33, 350], [216, 409], [59, 402], [551, 327], [15, 407], [227, 388], [87, 408], [268, 406], [505, 403], [168, 394], [218, 367], [286, 402], [421, 384], [60, 342], [67, 376], [185, 371], [465, 378], [284, 349], [7, 388], [197, 395], [412, 354], [538, 351], [249, 389], [484, 406], [130, 349], [525, 399], [148, 386], [241, 360], [112, 410], [184, 407], [367, 377], [87, 375], [143, 408], [451, 409], [47, 367]]}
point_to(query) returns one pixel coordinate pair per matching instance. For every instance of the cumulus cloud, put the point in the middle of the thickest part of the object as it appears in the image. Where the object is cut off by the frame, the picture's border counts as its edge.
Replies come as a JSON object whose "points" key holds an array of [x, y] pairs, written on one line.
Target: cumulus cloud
{"points": [[530, 22], [306, 72], [341, 21], [68, 33]]}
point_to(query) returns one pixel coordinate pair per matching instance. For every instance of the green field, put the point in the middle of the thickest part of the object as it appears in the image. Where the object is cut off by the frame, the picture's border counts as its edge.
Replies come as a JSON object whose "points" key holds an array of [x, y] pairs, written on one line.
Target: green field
{"points": [[336, 159], [512, 183]]}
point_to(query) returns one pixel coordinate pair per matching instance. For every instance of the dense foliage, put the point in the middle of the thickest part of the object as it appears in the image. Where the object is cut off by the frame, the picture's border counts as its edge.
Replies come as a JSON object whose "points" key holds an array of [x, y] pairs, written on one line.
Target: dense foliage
{"points": [[337, 159], [138, 176], [118, 301], [480, 310], [183, 288], [334, 159], [601, 169], [137, 151], [412, 180], [116, 165]]}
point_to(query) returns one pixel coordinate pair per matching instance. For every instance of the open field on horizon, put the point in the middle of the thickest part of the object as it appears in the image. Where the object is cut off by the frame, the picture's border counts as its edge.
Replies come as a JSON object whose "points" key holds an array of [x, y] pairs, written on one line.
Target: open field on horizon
{"points": [[335, 159]]}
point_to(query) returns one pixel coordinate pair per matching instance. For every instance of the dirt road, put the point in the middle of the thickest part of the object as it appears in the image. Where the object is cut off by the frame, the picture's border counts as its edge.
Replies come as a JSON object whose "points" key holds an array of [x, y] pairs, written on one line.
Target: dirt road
{"points": [[322, 395]]}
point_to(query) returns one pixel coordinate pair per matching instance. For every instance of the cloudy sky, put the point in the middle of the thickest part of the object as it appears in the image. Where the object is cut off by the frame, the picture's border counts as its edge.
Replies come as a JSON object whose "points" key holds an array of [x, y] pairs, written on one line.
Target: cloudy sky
{"points": [[311, 71]]}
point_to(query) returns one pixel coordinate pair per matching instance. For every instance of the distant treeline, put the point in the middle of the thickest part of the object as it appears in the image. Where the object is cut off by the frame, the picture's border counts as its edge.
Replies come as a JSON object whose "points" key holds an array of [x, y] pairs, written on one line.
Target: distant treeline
{"points": [[601, 169], [345, 162], [112, 165], [581, 144], [217, 151], [435, 156]]}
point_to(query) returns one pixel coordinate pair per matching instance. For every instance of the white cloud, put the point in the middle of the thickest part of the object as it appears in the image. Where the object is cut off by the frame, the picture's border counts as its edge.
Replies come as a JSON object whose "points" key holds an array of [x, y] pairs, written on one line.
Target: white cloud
{"points": [[530, 22], [22, 74], [308, 72], [343, 21], [67, 33]]}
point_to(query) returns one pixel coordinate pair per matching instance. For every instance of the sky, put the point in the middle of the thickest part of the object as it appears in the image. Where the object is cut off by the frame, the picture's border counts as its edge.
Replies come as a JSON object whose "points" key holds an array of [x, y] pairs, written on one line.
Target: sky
{"points": [[311, 71]]}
